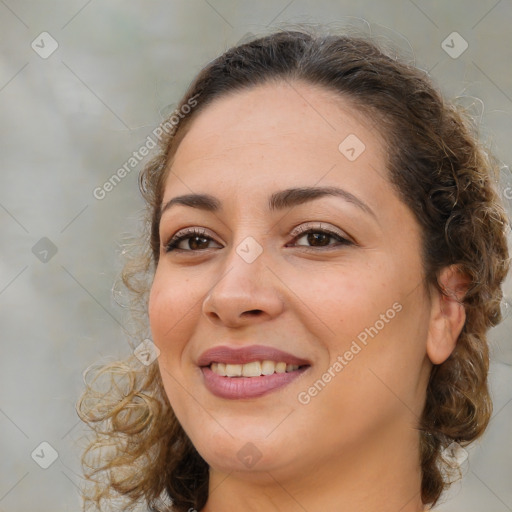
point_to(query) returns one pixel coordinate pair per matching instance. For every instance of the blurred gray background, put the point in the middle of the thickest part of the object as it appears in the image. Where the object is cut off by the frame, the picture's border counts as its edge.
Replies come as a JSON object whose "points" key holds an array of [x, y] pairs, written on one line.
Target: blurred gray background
{"points": [[82, 85]]}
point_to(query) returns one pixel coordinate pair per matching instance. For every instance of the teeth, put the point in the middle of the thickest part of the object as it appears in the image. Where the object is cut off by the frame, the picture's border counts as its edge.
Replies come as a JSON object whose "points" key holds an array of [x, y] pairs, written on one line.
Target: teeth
{"points": [[234, 370], [280, 367], [268, 367], [252, 369]]}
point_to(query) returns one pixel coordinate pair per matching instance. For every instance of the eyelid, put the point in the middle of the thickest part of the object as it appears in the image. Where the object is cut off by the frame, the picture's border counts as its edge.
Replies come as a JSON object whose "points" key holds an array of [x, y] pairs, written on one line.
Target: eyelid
{"points": [[187, 232], [295, 233], [321, 226]]}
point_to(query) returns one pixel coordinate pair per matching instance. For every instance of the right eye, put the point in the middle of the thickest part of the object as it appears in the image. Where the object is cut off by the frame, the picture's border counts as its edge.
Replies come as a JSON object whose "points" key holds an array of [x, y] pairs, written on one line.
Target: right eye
{"points": [[197, 240]]}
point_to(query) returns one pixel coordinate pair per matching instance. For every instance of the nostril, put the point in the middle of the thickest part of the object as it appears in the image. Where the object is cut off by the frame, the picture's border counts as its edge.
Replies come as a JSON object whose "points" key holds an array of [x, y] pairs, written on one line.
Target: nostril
{"points": [[253, 312]]}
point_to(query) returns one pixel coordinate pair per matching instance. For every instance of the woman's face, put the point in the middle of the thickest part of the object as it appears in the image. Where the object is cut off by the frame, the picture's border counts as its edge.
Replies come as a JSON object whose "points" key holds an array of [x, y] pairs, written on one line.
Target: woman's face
{"points": [[331, 280]]}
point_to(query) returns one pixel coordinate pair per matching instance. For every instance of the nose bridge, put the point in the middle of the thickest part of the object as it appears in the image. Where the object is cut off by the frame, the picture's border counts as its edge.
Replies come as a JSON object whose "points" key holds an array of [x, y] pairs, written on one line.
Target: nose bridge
{"points": [[249, 252], [244, 268], [245, 284]]}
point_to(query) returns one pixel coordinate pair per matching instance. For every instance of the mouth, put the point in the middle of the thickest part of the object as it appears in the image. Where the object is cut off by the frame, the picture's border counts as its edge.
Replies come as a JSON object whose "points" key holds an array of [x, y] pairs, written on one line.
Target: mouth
{"points": [[253, 369], [249, 372]]}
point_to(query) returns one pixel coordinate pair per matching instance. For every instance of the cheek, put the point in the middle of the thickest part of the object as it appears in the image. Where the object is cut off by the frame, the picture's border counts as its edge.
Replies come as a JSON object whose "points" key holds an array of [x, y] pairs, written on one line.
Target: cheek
{"points": [[343, 301], [171, 320], [170, 311], [372, 310], [157, 304]]}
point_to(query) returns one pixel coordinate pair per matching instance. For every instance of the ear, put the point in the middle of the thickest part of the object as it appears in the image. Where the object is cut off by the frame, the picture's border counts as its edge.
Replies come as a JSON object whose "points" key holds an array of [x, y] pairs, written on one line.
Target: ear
{"points": [[447, 314]]}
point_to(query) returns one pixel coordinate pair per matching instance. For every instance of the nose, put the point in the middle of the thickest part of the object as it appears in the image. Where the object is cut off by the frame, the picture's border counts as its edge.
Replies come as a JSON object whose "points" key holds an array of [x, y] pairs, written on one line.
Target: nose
{"points": [[246, 293]]}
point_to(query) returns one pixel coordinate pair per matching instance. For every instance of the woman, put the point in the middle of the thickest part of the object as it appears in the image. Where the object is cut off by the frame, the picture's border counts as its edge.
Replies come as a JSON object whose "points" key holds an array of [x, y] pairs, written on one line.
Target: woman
{"points": [[324, 256]]}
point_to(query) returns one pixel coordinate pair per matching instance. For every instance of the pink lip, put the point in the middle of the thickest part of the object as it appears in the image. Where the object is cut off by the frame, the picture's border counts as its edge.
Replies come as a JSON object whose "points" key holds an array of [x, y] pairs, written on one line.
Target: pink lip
{"points": [[242, 355], [247, 387]]}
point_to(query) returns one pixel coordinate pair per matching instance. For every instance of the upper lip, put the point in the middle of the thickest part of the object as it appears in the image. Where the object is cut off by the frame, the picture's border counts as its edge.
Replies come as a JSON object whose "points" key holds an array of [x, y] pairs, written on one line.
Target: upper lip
{"points": [[242, 355]]}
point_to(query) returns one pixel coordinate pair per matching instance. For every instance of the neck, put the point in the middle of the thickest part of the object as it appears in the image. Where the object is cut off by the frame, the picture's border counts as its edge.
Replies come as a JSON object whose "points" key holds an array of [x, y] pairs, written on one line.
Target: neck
{"points": [[384, 475]]}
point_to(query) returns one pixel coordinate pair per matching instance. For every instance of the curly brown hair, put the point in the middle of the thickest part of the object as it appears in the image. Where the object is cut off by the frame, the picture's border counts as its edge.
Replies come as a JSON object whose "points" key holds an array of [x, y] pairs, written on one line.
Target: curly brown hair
{"points": [[441, 172]]}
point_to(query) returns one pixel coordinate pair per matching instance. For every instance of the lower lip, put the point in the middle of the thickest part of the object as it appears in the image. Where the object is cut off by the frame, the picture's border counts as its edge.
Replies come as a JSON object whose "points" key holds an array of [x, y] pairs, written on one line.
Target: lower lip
{"points": [[247, 387]]}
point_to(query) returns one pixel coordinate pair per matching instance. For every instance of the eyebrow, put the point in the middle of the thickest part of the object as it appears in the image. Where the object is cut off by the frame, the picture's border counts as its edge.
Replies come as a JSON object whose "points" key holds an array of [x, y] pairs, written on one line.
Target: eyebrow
{"points": [[278, 200]]}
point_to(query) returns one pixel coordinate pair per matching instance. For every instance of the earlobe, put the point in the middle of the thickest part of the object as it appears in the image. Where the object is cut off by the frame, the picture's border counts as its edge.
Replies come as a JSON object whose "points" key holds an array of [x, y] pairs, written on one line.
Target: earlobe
{"points": [[447, 315]]}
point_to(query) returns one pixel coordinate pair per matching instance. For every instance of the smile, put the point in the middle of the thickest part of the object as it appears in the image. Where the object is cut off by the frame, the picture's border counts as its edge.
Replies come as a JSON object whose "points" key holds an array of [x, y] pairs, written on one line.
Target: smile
{"points": [[251, 371], [241, 387]]}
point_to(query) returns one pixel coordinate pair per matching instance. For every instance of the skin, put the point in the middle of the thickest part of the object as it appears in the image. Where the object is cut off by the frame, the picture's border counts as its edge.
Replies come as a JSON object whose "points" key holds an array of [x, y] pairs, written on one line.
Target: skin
{"points": [[355, 445]]}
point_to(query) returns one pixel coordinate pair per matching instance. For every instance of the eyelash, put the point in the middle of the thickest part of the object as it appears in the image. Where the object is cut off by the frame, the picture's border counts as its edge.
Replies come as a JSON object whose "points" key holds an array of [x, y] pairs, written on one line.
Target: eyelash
{"points": [[301, 231]]}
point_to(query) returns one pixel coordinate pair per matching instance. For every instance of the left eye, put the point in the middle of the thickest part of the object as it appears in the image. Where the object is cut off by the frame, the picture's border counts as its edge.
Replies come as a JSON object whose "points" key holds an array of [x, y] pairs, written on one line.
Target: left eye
{"points": [[198, 240], [320, 238]]}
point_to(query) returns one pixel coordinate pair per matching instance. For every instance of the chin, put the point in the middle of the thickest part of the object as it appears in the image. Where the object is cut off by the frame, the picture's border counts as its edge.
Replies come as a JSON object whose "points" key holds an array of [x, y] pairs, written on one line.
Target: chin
{"points": [[250, 449]]}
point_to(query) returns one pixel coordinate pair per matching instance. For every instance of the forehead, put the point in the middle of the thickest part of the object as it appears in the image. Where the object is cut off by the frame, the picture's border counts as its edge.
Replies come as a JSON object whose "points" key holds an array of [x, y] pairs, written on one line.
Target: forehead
{"points": [[279, 108], [279, 133]]}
